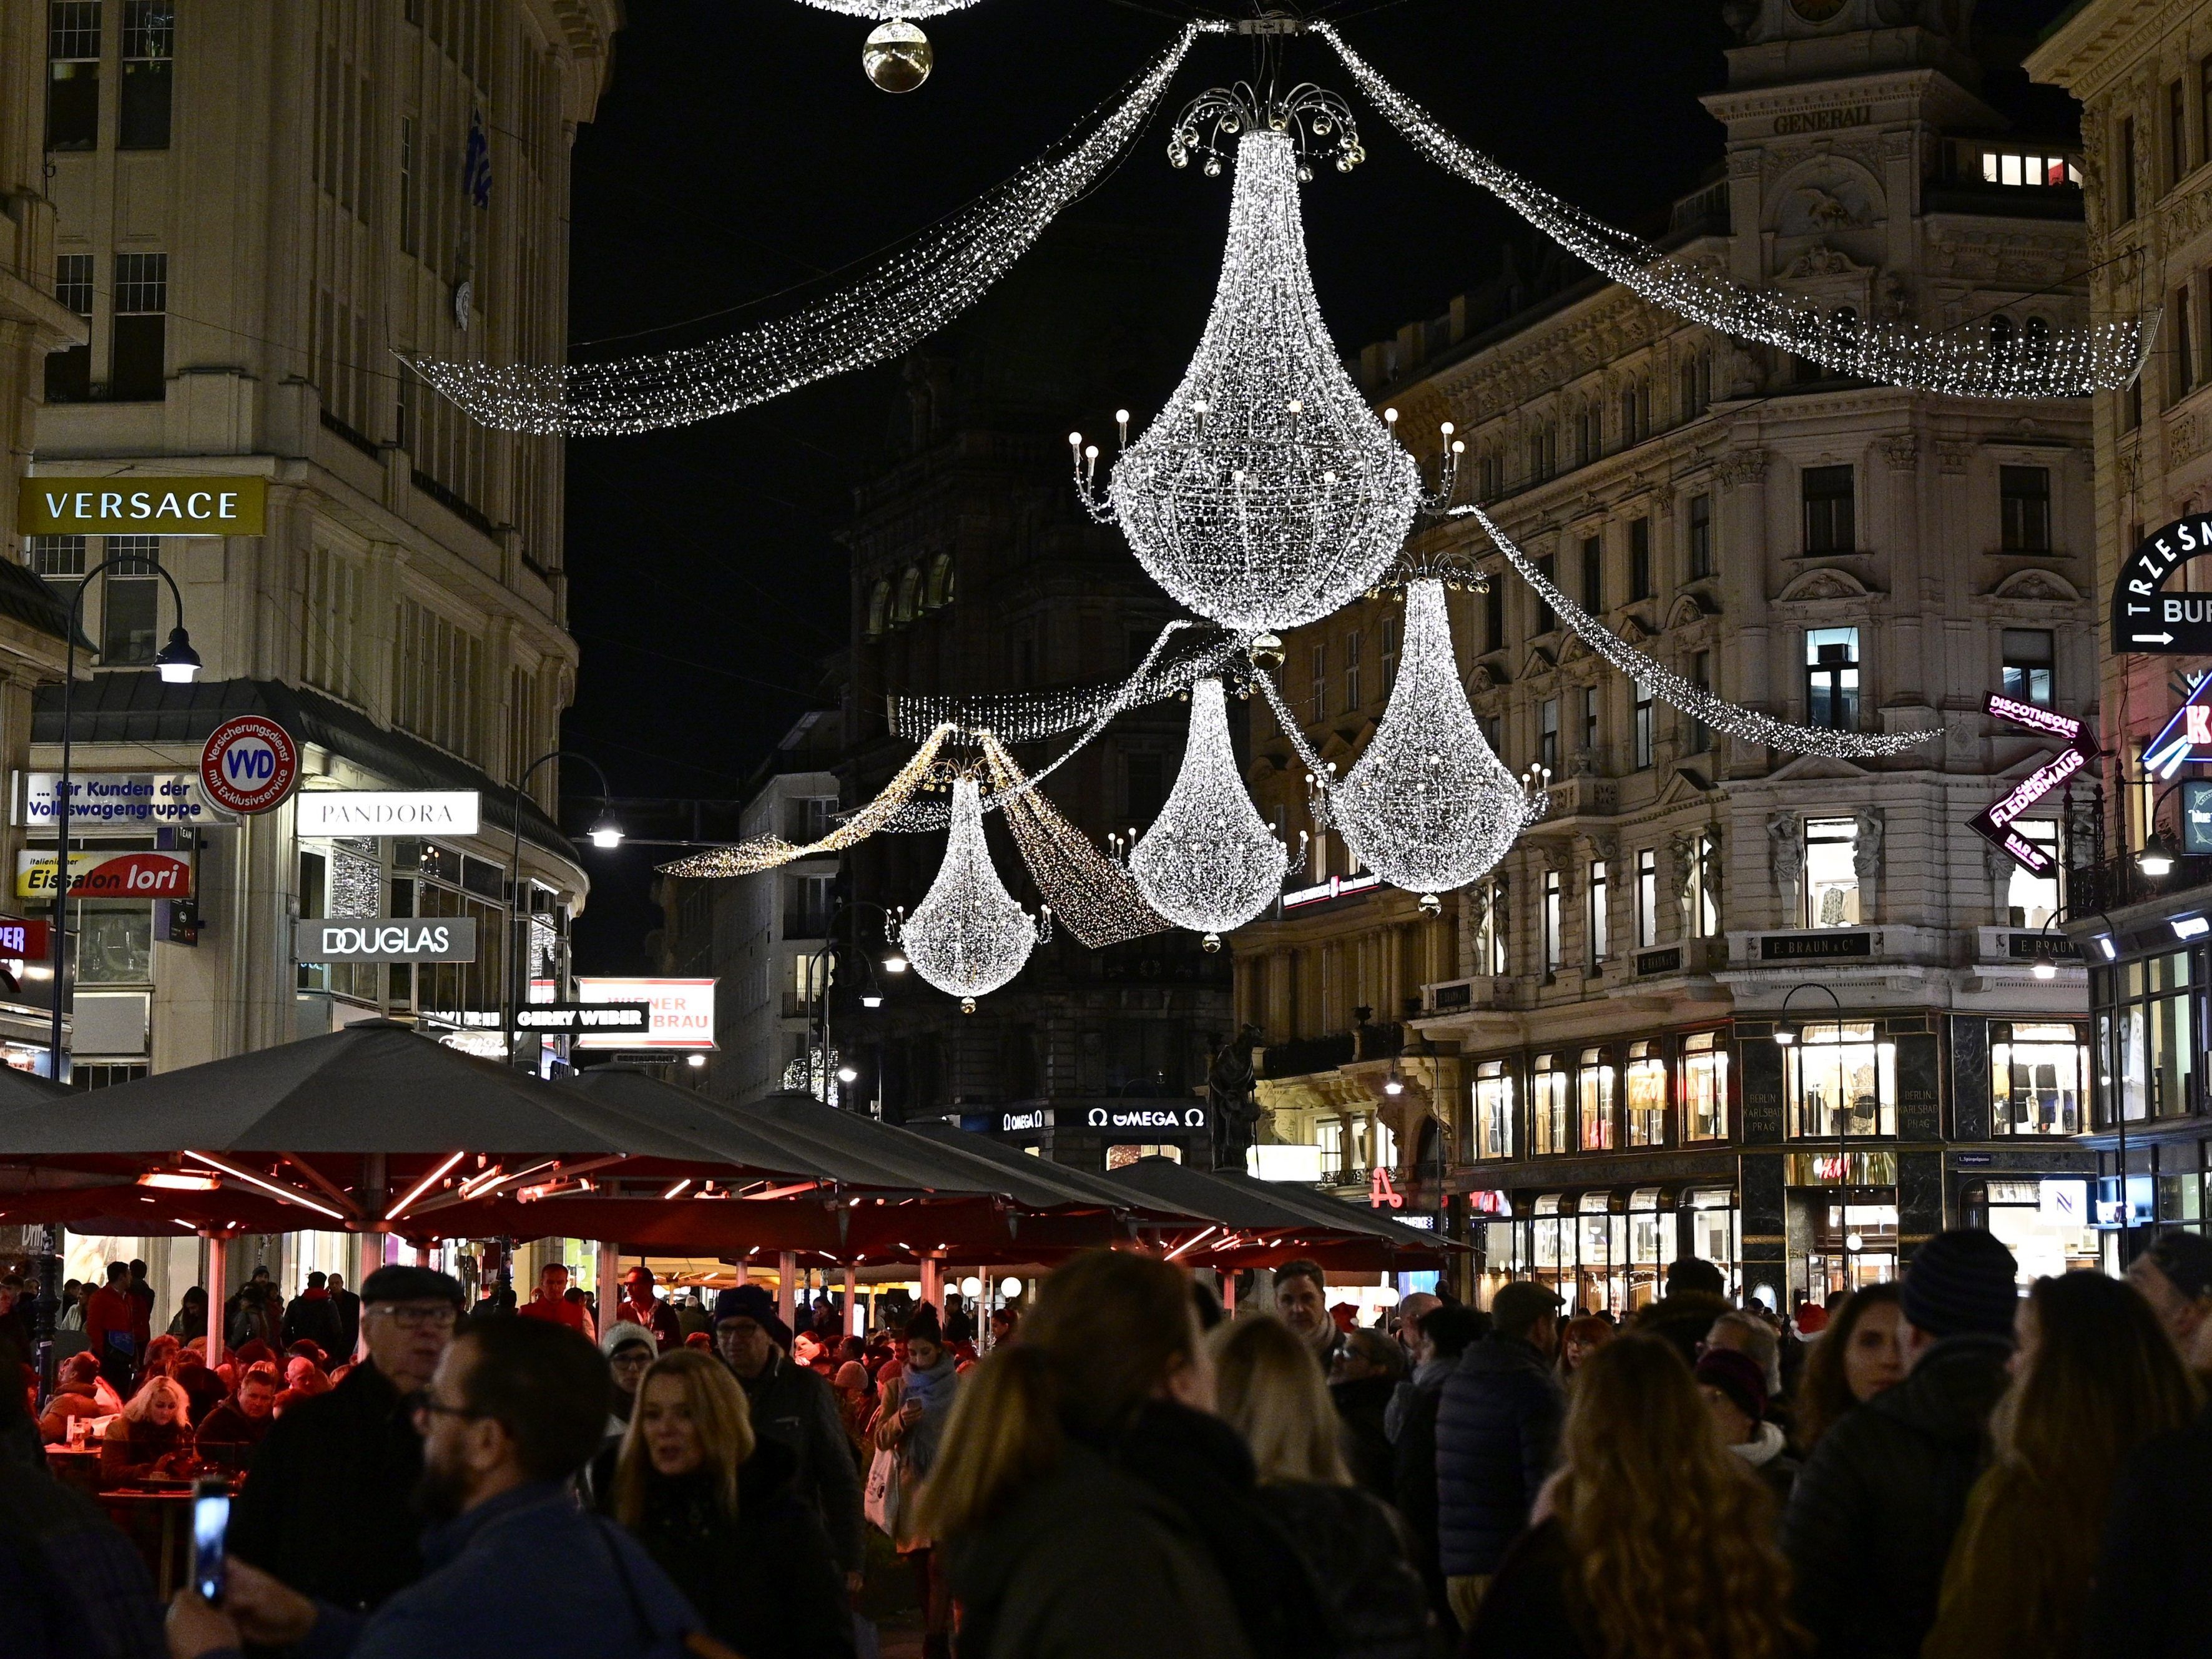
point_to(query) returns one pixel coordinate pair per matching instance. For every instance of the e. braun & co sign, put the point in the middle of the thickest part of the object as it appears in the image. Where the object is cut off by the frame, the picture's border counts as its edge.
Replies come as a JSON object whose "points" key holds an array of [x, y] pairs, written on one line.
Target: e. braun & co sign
{"points": [[2145, 617]]}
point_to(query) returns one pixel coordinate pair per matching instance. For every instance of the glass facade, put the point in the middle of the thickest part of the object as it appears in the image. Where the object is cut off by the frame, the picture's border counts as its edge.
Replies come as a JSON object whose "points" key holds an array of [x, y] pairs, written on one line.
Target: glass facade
{"points": [[1704, 1086], [2037, 1078], [1550, 1125], [1646, 1094], [1493, 1111], [1595, 1091]]}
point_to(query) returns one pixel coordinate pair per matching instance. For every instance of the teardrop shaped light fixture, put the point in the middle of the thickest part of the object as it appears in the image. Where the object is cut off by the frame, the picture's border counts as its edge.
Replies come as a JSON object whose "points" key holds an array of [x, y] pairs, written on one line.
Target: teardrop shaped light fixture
{"points": [[968, 936], [1209, 863]]}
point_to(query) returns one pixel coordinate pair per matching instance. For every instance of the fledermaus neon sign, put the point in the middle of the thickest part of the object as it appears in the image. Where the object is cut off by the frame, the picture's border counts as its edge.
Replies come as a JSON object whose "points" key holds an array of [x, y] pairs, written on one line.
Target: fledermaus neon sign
{"points": [[1994, 821]]}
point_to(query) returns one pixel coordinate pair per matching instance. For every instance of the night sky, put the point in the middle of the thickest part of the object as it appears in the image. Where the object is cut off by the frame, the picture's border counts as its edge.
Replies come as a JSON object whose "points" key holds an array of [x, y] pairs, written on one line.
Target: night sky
{"points": [[740, 154]]}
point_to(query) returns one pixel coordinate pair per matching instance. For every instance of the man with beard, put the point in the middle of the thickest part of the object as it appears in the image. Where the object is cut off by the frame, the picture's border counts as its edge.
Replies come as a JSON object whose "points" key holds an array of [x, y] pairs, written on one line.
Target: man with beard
{"points": [[328, 1504], [514, 1569]]}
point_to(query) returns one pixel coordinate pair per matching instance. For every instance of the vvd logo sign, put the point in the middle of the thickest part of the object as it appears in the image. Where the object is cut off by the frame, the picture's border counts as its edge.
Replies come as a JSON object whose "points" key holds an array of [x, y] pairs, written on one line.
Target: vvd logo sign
{"points": [[249, 764]]}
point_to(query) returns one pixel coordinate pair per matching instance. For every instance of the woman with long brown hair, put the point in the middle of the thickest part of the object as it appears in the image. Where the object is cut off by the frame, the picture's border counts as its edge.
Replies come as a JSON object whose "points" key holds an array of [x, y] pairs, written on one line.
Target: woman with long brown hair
{"points": [[1090, 1504], [1651, 1542], [713, 1505], [1861, 1353], [2094, 1376]]}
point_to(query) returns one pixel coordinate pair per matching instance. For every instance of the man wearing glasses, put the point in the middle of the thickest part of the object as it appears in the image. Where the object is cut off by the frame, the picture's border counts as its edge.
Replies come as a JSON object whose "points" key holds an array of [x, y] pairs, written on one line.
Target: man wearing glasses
{"points": [[327, 1505]]}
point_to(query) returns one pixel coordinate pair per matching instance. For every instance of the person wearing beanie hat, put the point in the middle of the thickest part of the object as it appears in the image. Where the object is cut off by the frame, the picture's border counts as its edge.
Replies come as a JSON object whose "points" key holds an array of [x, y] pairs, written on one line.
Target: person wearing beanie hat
{"points": [[629, 1349], [910, 1424], [793, 1404], [2174, 1273], [1871, 1521], [1736, 1391]]}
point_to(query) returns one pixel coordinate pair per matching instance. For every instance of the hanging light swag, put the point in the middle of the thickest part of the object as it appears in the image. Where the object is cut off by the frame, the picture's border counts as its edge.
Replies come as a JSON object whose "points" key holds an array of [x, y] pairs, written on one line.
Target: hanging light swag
{"points": [[1964, 363], [886, 11], [1427, 806], [1267, 493], [1209, 863], [968, 936], [1092, 897]]}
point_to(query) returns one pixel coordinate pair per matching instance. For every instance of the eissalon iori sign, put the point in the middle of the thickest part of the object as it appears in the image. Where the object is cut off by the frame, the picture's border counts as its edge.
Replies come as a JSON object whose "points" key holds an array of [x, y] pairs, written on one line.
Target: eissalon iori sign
{"points": [[2145, 617], [129, 506]]}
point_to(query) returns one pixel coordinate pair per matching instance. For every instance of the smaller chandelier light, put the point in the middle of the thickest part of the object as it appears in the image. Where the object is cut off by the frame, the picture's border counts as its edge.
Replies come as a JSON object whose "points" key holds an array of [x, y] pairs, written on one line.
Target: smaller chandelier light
{"points": [[1209, 863], [968, 936], [1427, 806]]}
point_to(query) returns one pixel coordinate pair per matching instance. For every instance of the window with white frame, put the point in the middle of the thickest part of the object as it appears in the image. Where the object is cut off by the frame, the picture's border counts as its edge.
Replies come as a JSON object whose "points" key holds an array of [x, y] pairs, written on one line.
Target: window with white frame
{"points": [[1642, 726], [1832, 678], [1832, 875], [1838, 1080], [1705, 886], [2031, 901], [1647, 898], [1704, 1086], [1493, 1110], [1600, 929]]}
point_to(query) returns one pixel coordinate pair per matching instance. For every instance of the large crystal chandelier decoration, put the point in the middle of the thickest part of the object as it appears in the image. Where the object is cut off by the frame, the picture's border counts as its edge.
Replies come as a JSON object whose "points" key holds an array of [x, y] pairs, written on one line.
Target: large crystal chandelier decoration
{"points": [[1428, 807], [1266, 494], [968, 936], [1208, 863]]}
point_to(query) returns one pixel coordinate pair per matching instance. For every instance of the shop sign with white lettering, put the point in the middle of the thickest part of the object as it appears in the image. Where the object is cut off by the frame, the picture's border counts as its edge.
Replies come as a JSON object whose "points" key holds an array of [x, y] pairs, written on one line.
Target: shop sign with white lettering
{"points": [[107, 875], [564, 1018], [387, 811], [386, 938], [129, 506]]}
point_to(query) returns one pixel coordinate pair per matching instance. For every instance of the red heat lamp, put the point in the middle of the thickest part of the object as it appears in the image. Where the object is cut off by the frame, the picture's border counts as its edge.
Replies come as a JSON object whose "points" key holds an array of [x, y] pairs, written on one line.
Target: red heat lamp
{"points": [[180, 1180], [551, 1189]]}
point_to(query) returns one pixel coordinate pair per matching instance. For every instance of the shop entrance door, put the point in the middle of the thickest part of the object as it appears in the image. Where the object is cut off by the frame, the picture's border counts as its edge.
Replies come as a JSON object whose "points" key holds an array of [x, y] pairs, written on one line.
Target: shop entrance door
{"points": [[1854, 1242]]}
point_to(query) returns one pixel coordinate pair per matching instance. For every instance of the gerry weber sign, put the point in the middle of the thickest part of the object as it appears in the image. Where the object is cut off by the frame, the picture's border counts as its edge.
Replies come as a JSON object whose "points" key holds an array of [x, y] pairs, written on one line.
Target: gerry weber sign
{"points": [[386, 938], [143, 506], [388, 812], [2145, 617]]}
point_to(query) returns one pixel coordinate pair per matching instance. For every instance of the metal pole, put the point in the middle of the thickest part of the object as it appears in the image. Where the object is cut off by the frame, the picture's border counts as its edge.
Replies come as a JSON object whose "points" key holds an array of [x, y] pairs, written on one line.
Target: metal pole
{"points": [[218, 1290]]}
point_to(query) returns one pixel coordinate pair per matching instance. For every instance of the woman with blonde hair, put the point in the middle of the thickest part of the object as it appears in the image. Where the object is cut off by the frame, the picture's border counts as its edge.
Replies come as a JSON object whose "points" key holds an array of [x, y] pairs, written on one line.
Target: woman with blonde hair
{"points": [[1652, 1540], [155, 1425], [1269, 1389], [1092, 1507], [2093, 1377], [714, 1506]]}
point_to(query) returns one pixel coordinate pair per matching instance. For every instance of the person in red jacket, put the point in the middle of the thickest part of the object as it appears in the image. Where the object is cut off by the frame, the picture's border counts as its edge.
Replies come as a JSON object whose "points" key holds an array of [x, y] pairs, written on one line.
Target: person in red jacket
{"points": [[551, 1303], [110, 1317]]}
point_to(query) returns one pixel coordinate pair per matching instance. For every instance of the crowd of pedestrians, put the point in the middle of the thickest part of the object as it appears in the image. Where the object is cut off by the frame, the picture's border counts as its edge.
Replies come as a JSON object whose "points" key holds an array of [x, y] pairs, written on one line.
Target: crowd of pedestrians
{"points": [[1937, 1468]]}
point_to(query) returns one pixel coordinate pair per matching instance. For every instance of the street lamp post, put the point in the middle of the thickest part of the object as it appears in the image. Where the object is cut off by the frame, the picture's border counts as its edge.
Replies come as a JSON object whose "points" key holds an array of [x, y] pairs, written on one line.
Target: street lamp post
{"points": [[178, 664], [818, 987], [603, 833], [1785, 1036]]}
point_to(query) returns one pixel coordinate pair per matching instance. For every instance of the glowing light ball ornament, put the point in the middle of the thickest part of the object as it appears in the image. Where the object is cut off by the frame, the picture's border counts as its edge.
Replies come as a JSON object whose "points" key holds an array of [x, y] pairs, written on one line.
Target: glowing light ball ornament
{"points": [[1267, 493], [1428, 807], [968, 936], [1209, 863], [897, 57]]}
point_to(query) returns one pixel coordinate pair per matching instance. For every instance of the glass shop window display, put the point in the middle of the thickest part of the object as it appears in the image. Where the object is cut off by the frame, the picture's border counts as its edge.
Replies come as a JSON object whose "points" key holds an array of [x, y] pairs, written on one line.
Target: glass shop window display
{"points": [[2037, 1074], [1832, 877], [114, 942], [1838, 1080]]}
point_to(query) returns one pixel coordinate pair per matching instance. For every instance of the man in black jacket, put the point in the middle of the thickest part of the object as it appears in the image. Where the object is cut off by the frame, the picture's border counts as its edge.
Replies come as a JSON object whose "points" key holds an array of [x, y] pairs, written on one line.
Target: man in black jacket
{"points": [[1871, 1521], [328, 1505], [347, 1306], [1446, 1333], [1498, 1430], [314, 1317]]}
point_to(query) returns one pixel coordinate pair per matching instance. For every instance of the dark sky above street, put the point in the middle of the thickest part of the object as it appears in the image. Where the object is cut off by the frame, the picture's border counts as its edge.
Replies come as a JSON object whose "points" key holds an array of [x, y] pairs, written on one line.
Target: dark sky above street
{"points": [[740, 152]]}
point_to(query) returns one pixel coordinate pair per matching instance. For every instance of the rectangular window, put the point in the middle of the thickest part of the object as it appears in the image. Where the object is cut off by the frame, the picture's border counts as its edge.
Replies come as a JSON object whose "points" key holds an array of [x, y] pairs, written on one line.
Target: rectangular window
{"points": [[1548, 733], [150, 34], [1639, 559], [1493, 1111], [2024, 500], [1647, 898], [2158, 1048], [1546, 618], [1317, 686], [2031, 901], [1352, 670], [1145, 778], [1589, 720], [72, 75], [1552, 956], [1601, 922], [1704, 1086], [1701, 676], [1829, 525], [1832, 678], [131, 596], [1389, 654], [1551, 1127], [1596, 1093], [138, 361], [1838, 1080], [1645, 1096], [60, 559], [1493, 611], [1701, 537], [2038, 1075], [2027, 660], [1832, 872], [2125, 163], [1490, 939], [69, 373], [1705, 907], [2182, 379], [1643, 726], [2177, 133], [409, 238], [1594, 575]]}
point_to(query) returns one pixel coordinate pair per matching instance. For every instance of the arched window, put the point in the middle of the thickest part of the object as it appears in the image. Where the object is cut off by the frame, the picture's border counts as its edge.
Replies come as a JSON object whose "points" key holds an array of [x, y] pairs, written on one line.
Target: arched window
{"points": [[2001, 334], [879, 601], [909, 595], [2035, 339], [940, 580]]}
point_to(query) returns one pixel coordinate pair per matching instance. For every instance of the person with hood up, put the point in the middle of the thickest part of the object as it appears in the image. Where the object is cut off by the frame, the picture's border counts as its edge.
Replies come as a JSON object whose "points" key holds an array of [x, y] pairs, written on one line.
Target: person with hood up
{"points": [[713, 1507], [910, 1422], [1874, 1510], [1734, 1391]]}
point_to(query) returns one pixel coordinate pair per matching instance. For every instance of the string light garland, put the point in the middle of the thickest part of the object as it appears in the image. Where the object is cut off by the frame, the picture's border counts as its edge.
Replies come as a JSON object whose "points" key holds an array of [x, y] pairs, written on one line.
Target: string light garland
{"points": [[2066, 361], [895, 305], [1266, 494], [1319, 773], [1427, 806], [1182, 655], [1209, 863], [968, 936], [1699, 704], [1094, 899], [886, 11]]}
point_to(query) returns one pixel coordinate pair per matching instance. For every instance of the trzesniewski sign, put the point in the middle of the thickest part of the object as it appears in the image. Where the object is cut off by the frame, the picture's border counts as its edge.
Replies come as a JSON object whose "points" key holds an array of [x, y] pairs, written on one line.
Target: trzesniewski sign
{"points": [[386, 938], [2145, 617], [632, 1018], [388, 812], [129, 506]]}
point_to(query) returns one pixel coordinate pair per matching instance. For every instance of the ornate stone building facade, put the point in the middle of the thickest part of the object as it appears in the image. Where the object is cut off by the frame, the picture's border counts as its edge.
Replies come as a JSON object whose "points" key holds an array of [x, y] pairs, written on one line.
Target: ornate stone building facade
{"points": [[1600, 1069]]}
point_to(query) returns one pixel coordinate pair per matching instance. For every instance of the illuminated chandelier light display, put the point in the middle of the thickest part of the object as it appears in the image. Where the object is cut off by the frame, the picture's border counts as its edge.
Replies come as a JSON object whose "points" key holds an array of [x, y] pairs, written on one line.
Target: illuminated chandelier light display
{"points": [[1209, 863], [888, 11], [1427, 806], [1266, 494], [2069, 362], [893, 305], [1093, 898], [1701, 705], [968, 936]]}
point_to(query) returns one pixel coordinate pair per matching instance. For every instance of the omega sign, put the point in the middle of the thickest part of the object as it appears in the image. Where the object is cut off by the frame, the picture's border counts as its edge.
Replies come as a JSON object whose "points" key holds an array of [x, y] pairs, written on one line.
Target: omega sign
{"points": [[386, 938], [1153, 1117], [2145, 617]]}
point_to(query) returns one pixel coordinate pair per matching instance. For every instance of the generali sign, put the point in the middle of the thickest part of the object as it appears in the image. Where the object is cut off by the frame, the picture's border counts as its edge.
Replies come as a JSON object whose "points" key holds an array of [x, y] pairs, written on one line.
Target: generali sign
{"points": [[386, 938], [387, 811], [143, 506], [107, 875]]}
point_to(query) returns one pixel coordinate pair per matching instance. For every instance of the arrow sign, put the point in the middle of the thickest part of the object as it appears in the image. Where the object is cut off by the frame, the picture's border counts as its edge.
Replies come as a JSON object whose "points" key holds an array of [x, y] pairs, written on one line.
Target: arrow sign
{"points": [[2140, 603], [1993, 823]]}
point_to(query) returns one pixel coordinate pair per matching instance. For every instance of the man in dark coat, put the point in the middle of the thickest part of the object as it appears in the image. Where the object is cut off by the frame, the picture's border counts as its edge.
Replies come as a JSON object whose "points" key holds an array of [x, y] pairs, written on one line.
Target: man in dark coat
{"points": [[1302, 1303], [328, 1504], [1871, 1520], [640, 1306], [1445, 1334], [314, 1317], [229, 1435], [1365, 1378], [792, 1405], [1498, 1430], [347, 1306]]}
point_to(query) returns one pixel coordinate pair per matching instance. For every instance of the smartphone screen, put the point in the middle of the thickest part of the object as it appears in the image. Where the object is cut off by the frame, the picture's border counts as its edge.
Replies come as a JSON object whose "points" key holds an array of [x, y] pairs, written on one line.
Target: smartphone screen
{"points": [[210, 1523]]}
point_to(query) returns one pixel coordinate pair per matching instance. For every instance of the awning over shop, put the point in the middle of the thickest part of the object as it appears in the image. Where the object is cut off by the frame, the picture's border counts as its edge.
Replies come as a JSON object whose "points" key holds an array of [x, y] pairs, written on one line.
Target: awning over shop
{"points": [[1265, 1221]]}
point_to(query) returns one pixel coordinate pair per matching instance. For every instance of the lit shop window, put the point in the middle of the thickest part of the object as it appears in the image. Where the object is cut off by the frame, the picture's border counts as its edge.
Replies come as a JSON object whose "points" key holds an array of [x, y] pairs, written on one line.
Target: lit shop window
{"points": [[1329, 1133], [1716, 1231], [1647, 1096], [2039, 171], [1604, 1238], [1705, 887], [1493, 1111], [1839, 1081], [1552, 1244], [2030, 900], [1596, 1093], [1121, 1158], [1650, 1245], [2037, 1077], [1832, 876], [1550, 1128], [2158, 1042], [1704, 1086]]}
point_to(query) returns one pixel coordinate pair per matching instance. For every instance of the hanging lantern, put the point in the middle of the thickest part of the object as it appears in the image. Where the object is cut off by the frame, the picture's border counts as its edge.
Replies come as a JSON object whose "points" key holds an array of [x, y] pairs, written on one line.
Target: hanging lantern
{"points": [[1428, 807], [1208, 863], [897, 56], [968, 936]]}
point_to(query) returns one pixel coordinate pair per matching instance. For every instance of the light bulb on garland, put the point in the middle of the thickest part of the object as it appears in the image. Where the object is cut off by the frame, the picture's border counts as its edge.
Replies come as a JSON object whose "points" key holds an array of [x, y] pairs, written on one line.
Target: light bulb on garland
{"points": [[1209, 863], [896, 56], [968, 936]]}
